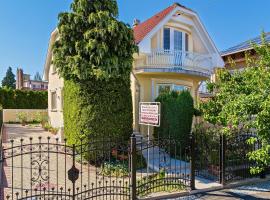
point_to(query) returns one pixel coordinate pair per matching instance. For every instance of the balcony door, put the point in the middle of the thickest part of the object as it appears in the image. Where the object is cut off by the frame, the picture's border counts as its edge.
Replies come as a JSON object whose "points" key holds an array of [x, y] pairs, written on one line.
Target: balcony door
{"points": [[178, 45], [175, 42]]}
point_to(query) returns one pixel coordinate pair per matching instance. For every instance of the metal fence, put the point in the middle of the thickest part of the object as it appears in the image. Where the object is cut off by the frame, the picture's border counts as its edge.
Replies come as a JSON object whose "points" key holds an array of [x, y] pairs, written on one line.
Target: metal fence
{"points": [[38, 168], [224, 159]]}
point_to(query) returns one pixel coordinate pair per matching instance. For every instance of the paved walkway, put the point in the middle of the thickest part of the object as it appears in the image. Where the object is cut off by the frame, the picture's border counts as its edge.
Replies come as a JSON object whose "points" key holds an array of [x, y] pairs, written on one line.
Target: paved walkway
{"points": [[157, 158]]}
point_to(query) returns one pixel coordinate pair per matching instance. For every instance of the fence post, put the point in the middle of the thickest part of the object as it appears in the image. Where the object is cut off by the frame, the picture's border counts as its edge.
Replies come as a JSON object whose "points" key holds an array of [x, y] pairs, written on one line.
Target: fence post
{"points": [[192, 161], [73, 172], [133, 168], [222, 154]]}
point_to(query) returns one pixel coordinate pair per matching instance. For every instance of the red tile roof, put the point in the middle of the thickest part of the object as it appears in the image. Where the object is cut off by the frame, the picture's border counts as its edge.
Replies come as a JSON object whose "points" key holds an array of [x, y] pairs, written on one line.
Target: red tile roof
{"points": [[142, 29]]}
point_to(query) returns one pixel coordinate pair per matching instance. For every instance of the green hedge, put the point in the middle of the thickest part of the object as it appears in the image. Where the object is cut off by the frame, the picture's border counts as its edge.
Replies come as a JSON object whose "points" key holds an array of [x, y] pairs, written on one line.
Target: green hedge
{"points": [[97, 110], [177, 110], [23, 99]]}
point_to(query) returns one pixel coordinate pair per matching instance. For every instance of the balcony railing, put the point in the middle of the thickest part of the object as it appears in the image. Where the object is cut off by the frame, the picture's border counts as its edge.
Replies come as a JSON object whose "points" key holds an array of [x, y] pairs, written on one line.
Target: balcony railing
{"points": [[177, 59]]}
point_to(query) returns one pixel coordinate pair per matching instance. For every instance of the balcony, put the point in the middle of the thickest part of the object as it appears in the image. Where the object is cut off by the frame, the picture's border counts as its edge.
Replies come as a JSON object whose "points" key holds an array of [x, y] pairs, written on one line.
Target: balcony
{"points": [[175, 61]]}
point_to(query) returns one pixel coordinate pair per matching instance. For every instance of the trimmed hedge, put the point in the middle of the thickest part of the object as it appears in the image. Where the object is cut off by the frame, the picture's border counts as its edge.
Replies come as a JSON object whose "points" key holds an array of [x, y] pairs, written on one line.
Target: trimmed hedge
{"points": [[23, 99], [97, 110], [177, 110]]}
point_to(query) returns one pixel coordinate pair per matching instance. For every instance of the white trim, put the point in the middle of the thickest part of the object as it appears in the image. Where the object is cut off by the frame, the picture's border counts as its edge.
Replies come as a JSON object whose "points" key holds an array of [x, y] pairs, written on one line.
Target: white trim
{"points": [[198, 23]]}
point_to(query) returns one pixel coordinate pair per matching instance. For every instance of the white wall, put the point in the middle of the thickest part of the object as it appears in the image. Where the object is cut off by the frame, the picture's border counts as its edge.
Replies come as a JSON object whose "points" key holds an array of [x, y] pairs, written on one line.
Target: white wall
{"points": [[56, 84]]}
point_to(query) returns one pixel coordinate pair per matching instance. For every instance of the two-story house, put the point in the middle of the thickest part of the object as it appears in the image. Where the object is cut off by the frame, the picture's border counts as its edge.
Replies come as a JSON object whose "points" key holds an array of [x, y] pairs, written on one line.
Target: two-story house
{"points": [[175, 53]]}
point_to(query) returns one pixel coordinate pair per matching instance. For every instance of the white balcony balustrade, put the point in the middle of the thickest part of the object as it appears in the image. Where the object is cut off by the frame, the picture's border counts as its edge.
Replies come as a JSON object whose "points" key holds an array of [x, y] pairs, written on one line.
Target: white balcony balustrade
{"points": [[172, 59]]}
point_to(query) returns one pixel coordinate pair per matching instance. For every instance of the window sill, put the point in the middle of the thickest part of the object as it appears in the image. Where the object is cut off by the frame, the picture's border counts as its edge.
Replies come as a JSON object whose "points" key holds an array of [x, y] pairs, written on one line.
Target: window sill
{"points": [[53, 110]]}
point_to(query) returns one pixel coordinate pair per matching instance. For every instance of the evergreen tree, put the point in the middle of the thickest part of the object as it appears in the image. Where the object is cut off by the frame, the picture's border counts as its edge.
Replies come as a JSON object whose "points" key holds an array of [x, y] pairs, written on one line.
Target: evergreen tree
{"points": [[9, 80], [94, 55]]}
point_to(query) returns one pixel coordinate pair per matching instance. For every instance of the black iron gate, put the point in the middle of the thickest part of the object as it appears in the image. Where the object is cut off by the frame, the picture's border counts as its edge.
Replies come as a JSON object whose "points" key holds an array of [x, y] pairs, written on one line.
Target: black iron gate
{"points": [[36, 168], [52, 170]]}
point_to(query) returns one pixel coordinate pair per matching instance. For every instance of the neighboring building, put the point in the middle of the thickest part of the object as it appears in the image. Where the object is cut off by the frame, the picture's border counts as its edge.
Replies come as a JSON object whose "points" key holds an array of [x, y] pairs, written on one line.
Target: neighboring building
{"points": [[237, 53], [175, 53], [23, 82]]}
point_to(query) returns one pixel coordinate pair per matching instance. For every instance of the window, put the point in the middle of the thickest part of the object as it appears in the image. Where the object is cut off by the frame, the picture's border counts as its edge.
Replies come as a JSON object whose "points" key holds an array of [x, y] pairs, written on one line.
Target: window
{"points": [[179, 88], [163, 88], [166, 42], [53, 100], [177, 40], [167, 87], [180, 39]]}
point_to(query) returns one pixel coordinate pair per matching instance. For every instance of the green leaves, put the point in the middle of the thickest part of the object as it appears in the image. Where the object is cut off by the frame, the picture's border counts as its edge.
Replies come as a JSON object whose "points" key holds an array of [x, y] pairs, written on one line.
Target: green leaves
{"points": [[243, 98], [93, 43]]}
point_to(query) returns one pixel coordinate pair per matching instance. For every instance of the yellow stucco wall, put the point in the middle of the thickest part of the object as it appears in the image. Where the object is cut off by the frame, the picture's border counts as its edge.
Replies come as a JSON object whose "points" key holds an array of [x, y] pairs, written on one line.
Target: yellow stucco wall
{"points": [[146, 90]]}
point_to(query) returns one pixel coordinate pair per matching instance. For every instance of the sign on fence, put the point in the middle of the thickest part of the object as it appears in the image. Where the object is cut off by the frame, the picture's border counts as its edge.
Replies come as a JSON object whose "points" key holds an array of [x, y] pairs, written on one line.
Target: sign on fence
{"points": [[149, 113]]}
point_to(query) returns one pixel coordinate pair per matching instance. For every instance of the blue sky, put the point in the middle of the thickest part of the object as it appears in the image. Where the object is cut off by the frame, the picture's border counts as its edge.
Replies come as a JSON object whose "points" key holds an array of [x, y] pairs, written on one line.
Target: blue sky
{"points": [[25, 25]]}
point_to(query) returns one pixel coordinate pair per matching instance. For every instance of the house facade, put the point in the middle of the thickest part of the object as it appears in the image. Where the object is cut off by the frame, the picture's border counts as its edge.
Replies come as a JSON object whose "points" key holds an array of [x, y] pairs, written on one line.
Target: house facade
{"points": [[24, 82], [175, 53], [236, 54]]}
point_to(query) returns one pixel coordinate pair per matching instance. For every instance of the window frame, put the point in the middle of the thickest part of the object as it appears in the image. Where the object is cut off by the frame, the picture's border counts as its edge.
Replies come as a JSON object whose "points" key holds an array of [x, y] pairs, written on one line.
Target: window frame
{"points": [[53, 104], [185, 39], [172, 86]]}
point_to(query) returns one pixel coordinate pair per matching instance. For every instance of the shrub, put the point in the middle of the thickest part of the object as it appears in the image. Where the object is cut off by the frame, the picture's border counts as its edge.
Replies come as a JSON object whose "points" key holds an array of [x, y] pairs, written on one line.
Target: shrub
{"points": [[47, 126], [177, 112], [22, 117], [23, 99], [98, 110]]}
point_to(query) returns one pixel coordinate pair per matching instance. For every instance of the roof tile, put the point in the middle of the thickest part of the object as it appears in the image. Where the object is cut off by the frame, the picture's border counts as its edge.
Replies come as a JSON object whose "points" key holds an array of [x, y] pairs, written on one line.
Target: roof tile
{"points": [[142, 29]]}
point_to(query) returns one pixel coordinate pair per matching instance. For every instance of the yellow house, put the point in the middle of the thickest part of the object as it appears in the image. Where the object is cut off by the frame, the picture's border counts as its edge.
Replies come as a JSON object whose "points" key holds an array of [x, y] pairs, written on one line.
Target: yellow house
{"points": [[175, 53]]}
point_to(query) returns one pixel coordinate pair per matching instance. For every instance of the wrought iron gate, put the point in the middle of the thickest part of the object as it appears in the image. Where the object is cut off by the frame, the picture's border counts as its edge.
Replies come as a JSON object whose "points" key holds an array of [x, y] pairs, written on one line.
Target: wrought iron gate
{"points": [[37, 168]]}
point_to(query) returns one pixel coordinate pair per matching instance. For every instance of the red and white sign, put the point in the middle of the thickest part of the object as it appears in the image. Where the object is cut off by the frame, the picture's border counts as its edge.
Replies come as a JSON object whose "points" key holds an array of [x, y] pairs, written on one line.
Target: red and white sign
{"points": [[150, 113]]}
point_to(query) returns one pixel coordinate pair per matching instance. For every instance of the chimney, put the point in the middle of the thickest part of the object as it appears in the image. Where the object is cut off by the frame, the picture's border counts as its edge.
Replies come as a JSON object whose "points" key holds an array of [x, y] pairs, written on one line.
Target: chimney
{"points": [[136, 22], [19, 79]]}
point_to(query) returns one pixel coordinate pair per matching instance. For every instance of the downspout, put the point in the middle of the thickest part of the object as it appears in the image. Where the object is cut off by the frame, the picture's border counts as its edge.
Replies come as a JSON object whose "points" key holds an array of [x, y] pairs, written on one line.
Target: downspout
{"points": [[139, 95]]}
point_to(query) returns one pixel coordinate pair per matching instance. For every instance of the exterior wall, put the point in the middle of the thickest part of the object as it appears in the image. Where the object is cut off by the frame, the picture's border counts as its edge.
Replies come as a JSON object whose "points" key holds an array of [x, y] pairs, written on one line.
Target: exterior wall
{"points": [[56, 84], [147, 91], [11, 115]]}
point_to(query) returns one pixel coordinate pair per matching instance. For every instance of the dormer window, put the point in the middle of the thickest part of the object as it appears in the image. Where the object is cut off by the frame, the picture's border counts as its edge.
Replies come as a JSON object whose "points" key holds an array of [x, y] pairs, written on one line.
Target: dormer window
{"points": [[174, 39]]}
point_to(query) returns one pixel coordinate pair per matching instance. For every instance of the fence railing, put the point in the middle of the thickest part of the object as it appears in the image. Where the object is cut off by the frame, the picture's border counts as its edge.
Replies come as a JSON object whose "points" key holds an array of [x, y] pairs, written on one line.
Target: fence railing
{"points": [[45, 168], [175, 58], [224, 158]]}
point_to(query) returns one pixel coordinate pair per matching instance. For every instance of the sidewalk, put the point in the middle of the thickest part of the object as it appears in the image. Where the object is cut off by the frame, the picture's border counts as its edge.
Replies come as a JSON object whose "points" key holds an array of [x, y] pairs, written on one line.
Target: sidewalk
{"points": [[248, 192]]}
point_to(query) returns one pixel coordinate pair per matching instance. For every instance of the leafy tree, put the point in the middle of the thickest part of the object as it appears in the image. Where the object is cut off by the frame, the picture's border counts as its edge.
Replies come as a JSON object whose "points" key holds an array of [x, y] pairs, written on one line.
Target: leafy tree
{"points": [[37, 77], [94, 55], [242, 102], [9, 80]]}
